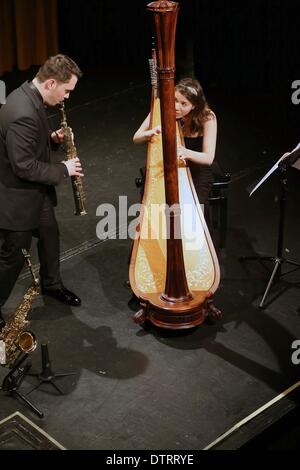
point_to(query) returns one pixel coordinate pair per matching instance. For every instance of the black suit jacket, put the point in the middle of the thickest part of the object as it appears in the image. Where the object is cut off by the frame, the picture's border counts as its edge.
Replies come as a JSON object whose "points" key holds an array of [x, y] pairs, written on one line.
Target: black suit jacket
{"points": [[26, 174]]}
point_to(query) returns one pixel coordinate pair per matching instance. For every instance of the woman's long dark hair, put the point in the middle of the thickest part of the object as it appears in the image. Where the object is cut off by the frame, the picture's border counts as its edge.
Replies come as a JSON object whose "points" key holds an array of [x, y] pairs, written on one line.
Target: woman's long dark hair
{"points": [[192, 91]]}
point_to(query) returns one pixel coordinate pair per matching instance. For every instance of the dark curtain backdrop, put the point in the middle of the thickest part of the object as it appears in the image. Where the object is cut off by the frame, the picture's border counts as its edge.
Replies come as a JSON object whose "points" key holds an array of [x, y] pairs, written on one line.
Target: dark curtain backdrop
{"points": [[99, 32], [248, 45], [253, 44], [7, 35], [28, 33]]}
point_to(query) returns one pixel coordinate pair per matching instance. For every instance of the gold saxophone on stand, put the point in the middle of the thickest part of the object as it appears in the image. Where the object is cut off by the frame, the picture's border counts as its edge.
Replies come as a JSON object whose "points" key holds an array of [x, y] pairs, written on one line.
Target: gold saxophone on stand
{"points": [[71, 151], [16, 339]]}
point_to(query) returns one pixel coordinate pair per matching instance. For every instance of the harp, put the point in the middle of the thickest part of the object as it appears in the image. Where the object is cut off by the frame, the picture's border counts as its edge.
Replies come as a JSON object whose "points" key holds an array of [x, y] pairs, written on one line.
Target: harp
{"points": [[174, 269]]}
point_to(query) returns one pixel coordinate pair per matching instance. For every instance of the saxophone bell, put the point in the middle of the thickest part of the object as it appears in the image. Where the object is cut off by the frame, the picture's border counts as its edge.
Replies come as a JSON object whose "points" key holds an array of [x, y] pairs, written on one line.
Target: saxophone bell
{"points": [[27, 342], [15, 339]]}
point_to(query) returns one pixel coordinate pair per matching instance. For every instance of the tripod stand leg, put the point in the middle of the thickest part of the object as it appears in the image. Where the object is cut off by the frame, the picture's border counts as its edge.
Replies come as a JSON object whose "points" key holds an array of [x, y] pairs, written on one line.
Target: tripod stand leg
{"points": [[14, 379], [47, 375], [34, 409], [293, 263], [256, 258], [56, 387], [276, 267], [65, 374], [36, 387]]}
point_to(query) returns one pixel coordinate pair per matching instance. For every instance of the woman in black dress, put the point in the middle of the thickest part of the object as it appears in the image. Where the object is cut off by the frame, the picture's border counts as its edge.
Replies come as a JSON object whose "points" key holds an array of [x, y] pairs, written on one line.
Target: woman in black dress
{"points": [[199, 126]]}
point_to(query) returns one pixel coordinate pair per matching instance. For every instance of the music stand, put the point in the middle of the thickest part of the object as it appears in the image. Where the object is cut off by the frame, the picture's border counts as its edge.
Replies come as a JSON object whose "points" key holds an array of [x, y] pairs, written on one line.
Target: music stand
{"points": [[14, 379], [278, 259], [47, 375]]}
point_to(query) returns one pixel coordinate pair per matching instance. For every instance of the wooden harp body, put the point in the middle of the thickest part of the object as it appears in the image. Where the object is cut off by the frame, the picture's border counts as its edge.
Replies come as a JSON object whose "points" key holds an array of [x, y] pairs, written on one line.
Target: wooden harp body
{"points": [[174, 268]]}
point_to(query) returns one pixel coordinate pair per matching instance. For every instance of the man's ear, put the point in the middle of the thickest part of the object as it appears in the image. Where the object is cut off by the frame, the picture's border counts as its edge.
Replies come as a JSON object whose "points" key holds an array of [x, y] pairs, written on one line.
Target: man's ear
{"points": [[50, 84]]}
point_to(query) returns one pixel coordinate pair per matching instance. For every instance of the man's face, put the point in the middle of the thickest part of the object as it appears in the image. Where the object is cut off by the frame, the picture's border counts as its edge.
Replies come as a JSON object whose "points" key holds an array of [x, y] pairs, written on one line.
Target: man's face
{"points": [[58, 92]]}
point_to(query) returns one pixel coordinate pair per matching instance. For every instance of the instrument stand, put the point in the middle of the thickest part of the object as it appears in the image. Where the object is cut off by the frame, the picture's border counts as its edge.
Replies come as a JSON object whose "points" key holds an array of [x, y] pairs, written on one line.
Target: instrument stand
{"points": [[47, 375], [278, 259], [12, 382]]}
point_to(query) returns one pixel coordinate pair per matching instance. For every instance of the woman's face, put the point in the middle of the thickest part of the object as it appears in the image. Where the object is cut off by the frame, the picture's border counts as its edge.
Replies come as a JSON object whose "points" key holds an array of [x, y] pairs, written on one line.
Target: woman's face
{"points": [[182, 105]]}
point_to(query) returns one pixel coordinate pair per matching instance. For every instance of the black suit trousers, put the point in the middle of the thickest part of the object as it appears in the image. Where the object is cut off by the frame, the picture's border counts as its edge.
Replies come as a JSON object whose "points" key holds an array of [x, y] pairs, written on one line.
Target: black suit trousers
{"points": [[12, 259]]}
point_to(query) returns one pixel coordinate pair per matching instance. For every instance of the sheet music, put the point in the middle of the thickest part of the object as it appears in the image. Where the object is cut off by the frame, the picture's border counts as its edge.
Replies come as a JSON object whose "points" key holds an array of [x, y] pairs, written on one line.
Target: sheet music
{"points": [[274, 168], [297, 163]]}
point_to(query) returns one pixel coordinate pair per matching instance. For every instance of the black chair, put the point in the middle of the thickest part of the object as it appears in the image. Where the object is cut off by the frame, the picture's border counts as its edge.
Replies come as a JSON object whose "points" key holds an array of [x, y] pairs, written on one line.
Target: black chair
{"points": [[218, 205]]}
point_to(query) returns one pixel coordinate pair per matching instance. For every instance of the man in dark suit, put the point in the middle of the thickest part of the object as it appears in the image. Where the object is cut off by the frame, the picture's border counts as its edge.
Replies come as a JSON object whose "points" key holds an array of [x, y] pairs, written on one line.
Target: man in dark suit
{"points": [[27, 177]]}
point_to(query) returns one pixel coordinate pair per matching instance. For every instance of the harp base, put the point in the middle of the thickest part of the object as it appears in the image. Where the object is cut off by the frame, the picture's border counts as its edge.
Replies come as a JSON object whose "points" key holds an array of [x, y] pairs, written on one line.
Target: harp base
{"points": [[181, 316]]}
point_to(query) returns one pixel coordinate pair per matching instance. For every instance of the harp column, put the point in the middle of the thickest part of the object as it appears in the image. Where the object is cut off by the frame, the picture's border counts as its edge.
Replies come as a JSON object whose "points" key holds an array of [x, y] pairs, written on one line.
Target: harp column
{"points": [[165, 20]]}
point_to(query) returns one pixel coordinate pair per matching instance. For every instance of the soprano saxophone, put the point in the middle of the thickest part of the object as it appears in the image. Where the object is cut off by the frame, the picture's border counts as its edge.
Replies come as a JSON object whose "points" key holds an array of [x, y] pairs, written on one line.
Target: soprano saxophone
{"points": [[71, 152], [14, 336]]}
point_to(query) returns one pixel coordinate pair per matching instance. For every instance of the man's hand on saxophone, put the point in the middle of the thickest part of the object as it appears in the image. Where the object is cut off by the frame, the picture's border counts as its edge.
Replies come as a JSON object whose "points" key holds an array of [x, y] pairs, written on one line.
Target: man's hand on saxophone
{"points": [[74, 167], [58, 136]]}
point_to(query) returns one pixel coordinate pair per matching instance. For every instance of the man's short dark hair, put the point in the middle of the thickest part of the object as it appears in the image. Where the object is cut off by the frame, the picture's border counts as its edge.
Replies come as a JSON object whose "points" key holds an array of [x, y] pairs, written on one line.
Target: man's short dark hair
{"points": [[60, 67]]}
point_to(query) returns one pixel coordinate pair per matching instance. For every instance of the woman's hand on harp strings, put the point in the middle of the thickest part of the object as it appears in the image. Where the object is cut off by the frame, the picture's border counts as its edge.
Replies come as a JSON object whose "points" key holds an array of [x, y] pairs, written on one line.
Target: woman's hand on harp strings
{"points": [[74, 167], [181, 154], [152, 133], [144, 134], [155, 131]]}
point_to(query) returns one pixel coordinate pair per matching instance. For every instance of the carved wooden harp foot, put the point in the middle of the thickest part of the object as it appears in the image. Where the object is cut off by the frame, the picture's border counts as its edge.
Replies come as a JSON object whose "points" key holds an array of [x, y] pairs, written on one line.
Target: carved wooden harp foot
{"points": [[140, 317], [185, 315]]}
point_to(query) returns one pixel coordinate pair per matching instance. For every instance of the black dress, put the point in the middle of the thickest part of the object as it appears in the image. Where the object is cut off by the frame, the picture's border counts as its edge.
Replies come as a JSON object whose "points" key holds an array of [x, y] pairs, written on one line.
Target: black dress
{"points": [[202, 175]]}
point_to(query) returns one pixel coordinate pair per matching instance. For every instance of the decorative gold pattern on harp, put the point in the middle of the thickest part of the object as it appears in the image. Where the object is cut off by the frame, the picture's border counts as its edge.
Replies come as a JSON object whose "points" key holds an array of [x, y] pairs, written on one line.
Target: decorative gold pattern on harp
{"points": [[174, 268]]}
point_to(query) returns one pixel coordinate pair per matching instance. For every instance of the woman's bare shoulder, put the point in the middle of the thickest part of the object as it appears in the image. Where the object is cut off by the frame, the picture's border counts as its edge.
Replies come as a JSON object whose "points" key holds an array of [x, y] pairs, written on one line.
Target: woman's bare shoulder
{"points": [[210, 115]]}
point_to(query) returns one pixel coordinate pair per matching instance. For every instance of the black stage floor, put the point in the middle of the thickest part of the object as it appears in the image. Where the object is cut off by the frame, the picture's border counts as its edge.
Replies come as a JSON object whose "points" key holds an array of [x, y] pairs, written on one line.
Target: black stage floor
{"points": [[138, 388]]}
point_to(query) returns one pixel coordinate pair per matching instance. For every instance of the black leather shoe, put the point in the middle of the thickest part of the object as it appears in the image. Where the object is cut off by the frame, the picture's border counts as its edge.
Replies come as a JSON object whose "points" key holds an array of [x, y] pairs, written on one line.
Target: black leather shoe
{"points": [[63, 295], [2, 321]]}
